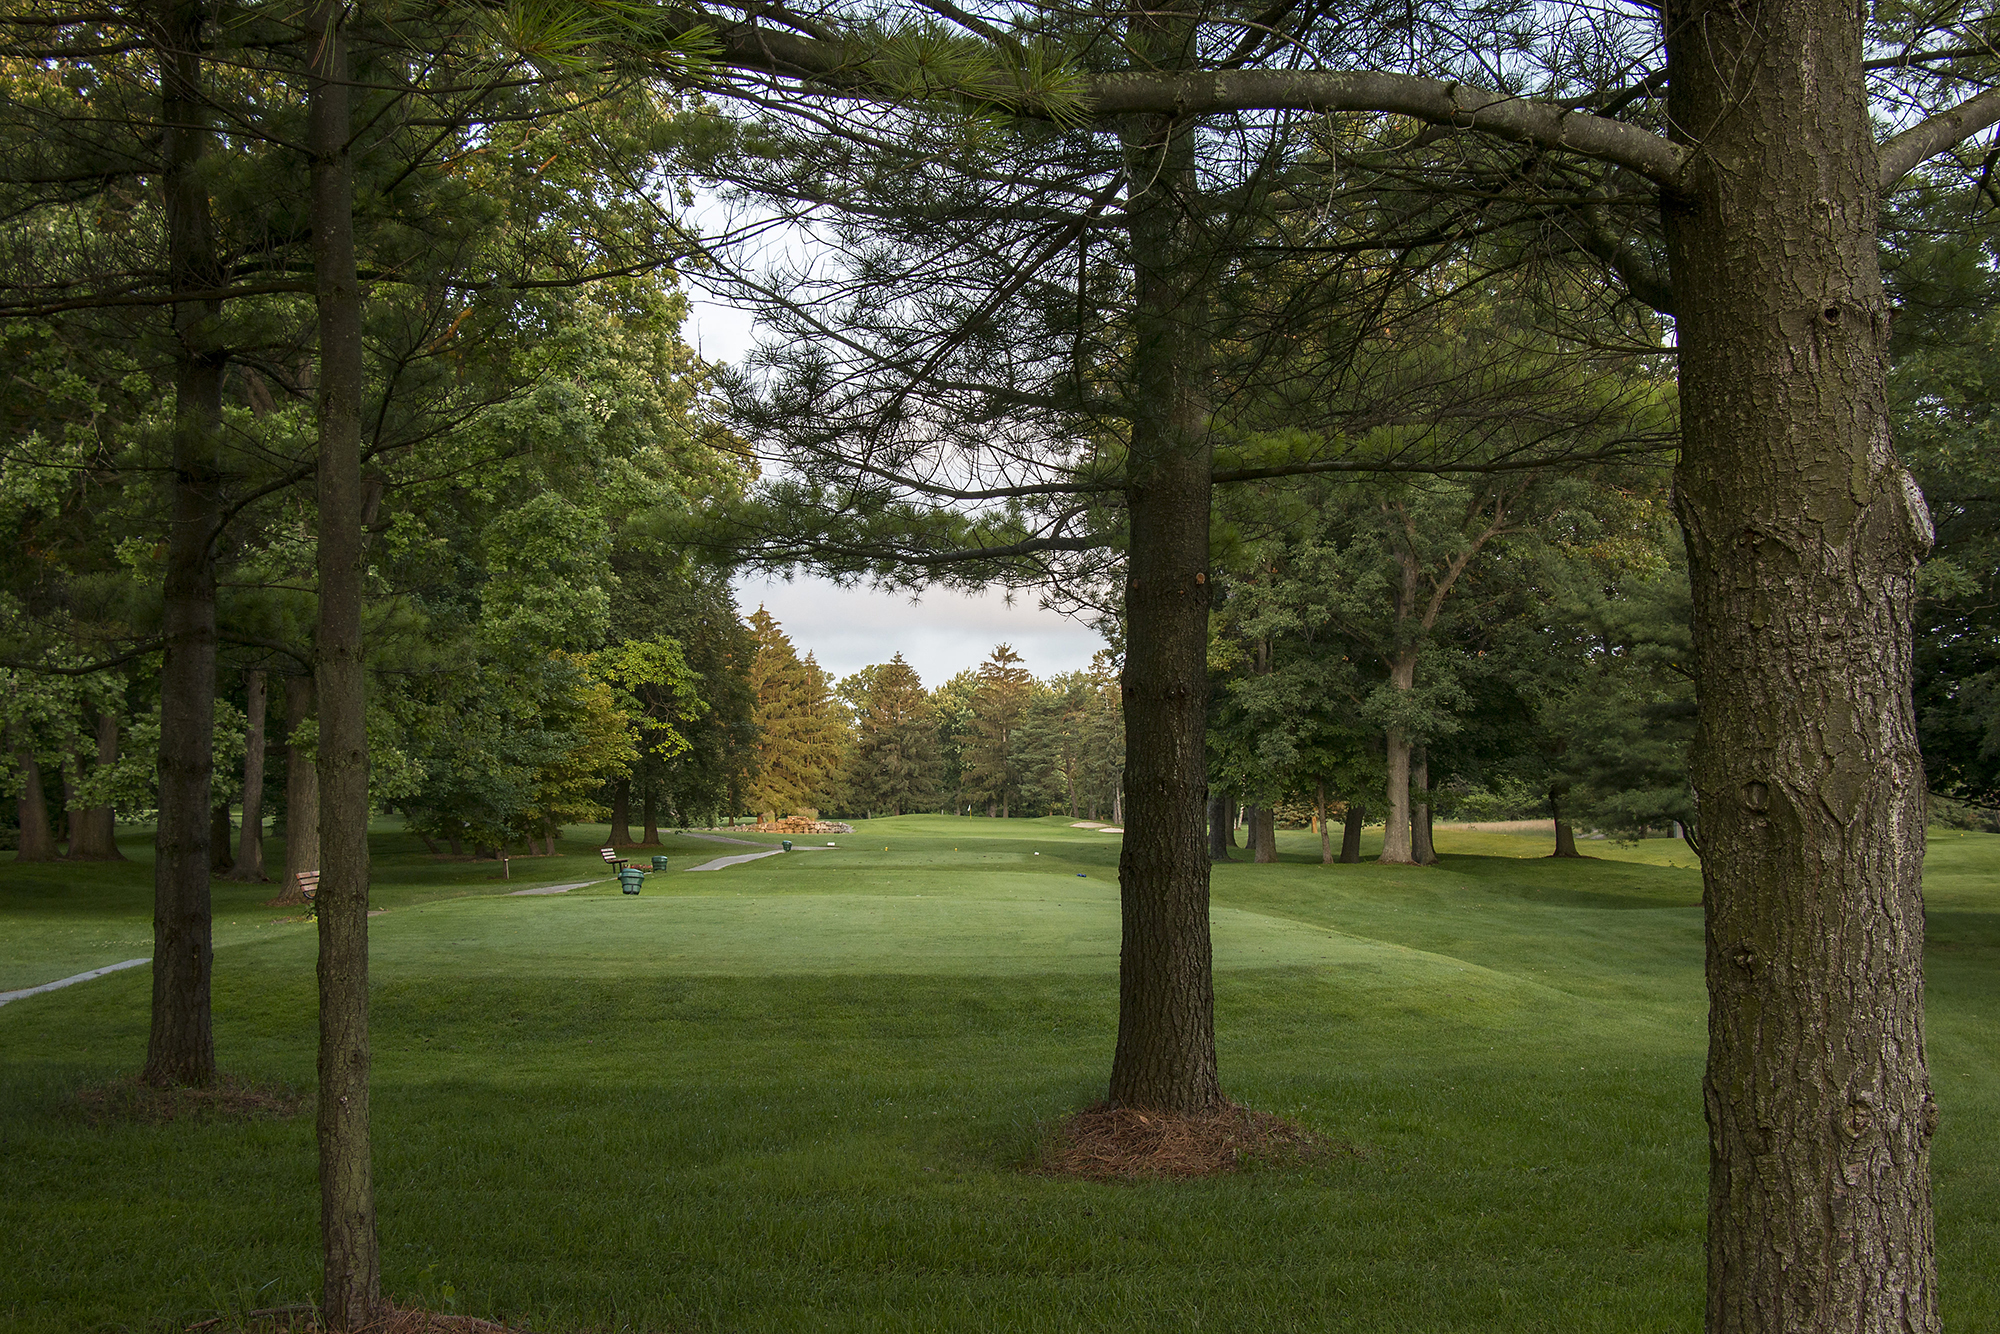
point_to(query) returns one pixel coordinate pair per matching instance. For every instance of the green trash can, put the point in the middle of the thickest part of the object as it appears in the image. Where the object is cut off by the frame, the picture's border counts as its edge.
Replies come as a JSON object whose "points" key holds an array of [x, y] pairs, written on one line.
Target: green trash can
{"points": [[787, 842], [659, 862], [630, 878]]}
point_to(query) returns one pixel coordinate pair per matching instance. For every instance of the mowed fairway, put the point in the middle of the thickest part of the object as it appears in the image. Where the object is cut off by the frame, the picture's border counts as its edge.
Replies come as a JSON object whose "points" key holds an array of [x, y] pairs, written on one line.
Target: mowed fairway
{"points": [[796, 1094]]}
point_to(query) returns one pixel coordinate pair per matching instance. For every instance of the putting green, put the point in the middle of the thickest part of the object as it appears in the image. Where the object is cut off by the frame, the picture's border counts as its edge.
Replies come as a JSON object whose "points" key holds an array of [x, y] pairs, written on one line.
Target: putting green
{"points": [[1070, 928]]}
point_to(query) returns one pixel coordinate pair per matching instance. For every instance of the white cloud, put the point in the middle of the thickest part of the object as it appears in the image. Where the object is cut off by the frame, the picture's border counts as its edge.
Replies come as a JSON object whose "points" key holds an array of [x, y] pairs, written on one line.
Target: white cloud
{"points": [[718, 331], [945, 633]]}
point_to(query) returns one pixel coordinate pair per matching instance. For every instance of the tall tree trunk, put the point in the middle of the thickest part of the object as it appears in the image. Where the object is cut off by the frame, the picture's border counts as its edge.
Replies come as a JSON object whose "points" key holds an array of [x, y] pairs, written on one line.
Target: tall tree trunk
{"points": [[1350, 833], [1264, 834], [1803, 535], [1402, 676], [650, 804], [1396, 832], [1219, 813], [351, 1294], [93, 831], [180, 1049], [69, 773], [1421, 850], [221, 829], [1165, 1057], [250, 850], [1565, 836], [38, 841], [301, 785], [621, 814], [1235, 814], [1325, 834]]}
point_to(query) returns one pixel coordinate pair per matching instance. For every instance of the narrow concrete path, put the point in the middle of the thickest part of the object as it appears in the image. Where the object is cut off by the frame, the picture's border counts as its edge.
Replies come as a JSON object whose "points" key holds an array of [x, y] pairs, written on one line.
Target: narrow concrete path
{"points": [[6, 996], [721, 862], [551, 889]]}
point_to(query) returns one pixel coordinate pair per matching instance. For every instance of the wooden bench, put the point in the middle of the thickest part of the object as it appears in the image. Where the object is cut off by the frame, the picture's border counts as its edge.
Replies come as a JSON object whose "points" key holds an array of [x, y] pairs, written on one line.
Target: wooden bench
{"points": [[612, 858], [308, 885]]}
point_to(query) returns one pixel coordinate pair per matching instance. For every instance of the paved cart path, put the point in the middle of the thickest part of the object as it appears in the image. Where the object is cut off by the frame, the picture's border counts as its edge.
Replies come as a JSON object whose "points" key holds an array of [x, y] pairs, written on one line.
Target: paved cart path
{"points": [[721, 862], [6, 996], [550, 889]]}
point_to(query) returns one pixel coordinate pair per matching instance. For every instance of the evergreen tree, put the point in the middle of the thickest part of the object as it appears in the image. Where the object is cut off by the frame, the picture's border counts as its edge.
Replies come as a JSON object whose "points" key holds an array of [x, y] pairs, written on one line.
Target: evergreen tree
{"points": [[1101, 772], [992, 768], [1049, 745], [951, 705], [893, 765], [799, 735]]}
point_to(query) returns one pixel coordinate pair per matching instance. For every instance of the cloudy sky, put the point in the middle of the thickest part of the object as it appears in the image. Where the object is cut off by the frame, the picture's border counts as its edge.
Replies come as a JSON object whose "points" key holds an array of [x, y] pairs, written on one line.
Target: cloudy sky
{"points": [[847, 628]]}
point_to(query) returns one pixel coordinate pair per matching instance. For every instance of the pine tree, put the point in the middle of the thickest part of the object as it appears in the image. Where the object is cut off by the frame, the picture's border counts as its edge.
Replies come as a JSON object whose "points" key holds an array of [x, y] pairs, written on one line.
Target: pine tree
{"points": [[992, 761], [951, 706], [798, 733], [893, 766], [1102, 777]]}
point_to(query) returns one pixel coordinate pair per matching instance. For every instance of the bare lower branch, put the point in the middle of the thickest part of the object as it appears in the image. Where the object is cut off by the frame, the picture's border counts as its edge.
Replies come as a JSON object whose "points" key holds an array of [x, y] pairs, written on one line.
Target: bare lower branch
{"points": [[1926, 139]]}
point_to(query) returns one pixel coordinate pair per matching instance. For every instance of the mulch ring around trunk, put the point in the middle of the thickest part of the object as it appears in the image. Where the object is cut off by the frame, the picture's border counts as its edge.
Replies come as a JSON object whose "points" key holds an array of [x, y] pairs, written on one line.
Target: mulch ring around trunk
{"points": [[128, 1101], [1105, 1143], [392, 1320]]}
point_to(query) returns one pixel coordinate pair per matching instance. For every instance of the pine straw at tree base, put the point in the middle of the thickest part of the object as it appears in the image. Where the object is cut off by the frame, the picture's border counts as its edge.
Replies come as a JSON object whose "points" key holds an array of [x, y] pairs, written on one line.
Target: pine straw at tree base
{"points": [[227, 1099], [1106, 1143]]}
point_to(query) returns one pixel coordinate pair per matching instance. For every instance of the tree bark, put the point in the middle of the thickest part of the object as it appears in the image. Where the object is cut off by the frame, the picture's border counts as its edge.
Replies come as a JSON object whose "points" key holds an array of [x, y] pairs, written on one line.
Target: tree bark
{"points": [[1218, 826], [93, 831], [1396, 832], [1803, 535], [1421, 850], [1165, 1056], [1350, 833], [220, 831], [351, 1293], [38, 841], [180, 1048], [301, 785], [621, 814], [1264, 834], [649, 804], [1325, 834], [1565, 836], [250, 849]]}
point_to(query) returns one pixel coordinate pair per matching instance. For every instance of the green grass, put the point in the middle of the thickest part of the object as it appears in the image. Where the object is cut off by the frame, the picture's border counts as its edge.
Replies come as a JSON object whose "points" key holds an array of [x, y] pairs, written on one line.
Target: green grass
{"points": [[793, 1094]]}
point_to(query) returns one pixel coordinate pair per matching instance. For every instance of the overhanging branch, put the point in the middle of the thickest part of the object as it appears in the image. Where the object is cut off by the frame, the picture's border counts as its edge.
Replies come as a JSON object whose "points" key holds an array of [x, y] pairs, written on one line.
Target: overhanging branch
{"points": [[1926, 139]]}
